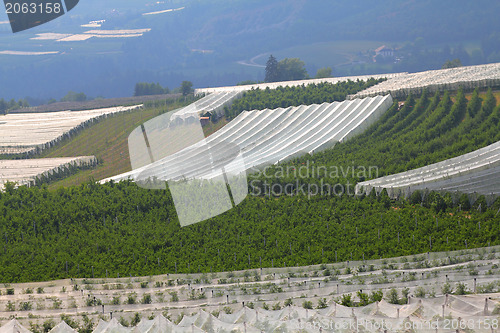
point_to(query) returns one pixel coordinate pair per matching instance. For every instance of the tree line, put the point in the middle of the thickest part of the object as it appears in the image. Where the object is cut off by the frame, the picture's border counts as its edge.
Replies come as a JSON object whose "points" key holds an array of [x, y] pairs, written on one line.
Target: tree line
{"points": [[145, 88], [258, 99], [290, 69], [6, 106]]}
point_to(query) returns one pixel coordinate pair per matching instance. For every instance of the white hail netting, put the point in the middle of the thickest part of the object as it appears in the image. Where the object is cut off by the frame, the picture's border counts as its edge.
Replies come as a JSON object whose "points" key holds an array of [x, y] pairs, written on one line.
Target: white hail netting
{"points": [[476, 172], [207, 176], [24, 172], [421, 315], [213, 104], [468, 77], [23, 132], [62, 327], [260, 137], [274, 85]]}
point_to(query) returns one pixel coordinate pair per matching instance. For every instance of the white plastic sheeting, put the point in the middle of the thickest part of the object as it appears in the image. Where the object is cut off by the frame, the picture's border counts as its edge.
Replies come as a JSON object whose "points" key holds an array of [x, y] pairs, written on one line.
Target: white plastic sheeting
{"points": [[268, 137], [25, 172], [62, 327], [469, 77], [475, 172], [419, 315], [274, 85], [26, 132], [13, 326], [213, 104]]}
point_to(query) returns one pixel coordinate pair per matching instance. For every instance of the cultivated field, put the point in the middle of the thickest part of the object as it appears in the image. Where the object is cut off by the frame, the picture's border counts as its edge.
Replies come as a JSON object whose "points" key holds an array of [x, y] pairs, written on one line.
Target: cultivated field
{"points": [[25, 172], [399, 85], [275, 85], [418, 290], [469, 77], [477, 172], [264, 137], [29, 133]]}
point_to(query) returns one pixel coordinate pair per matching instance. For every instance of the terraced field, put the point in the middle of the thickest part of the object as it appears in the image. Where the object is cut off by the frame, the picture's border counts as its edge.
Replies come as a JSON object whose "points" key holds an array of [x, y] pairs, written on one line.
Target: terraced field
{"points": [[415, 291], [28, 133], [266, 137], [27, 172], [476, 172]]}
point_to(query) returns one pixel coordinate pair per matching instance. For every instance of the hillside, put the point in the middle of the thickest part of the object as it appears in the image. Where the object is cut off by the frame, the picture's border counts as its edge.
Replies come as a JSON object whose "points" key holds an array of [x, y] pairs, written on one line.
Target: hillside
{"points": [[123, 229], [107, 140], [423, 131], [117, 227], [205, 41]]}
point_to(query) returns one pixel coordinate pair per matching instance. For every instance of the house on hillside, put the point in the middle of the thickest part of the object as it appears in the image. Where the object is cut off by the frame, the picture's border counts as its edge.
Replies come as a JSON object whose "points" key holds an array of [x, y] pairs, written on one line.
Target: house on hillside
{"points": [[385, 52]]}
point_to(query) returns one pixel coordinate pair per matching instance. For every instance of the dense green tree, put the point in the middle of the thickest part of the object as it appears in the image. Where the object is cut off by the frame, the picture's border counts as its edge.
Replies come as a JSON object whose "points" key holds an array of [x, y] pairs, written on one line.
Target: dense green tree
{"points": [[5, 106], [123, 229], [272, 74], [186, 88], [295, 96], [144, 88], [74, 97], [452, 64], [291, 69], [324, 73]]}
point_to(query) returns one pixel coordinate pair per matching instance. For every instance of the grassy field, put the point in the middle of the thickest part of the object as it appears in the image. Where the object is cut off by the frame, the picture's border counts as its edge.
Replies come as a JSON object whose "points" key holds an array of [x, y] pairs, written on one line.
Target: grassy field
{"points": [[483, 95]]}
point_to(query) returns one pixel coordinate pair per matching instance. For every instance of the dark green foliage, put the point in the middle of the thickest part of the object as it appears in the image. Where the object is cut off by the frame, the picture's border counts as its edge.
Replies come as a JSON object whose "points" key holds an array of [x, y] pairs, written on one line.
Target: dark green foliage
{"points": [[291, 69], [322, 303], [307, 305], [74, 97], [146, 299], [12, 105], [144, 88], [186, 88], [136, 319], [71, 322], [364, 299], [87, 326], [272, 74], [346, 300], [376, 296], [392, 296], [48, 325], [452, 64], [461, 289], [141, 223], [282, 97]]}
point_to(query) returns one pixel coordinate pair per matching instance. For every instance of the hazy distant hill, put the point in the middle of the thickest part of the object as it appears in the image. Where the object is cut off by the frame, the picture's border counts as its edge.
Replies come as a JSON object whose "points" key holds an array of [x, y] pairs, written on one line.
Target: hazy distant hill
{"points": [[204, 41]]}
